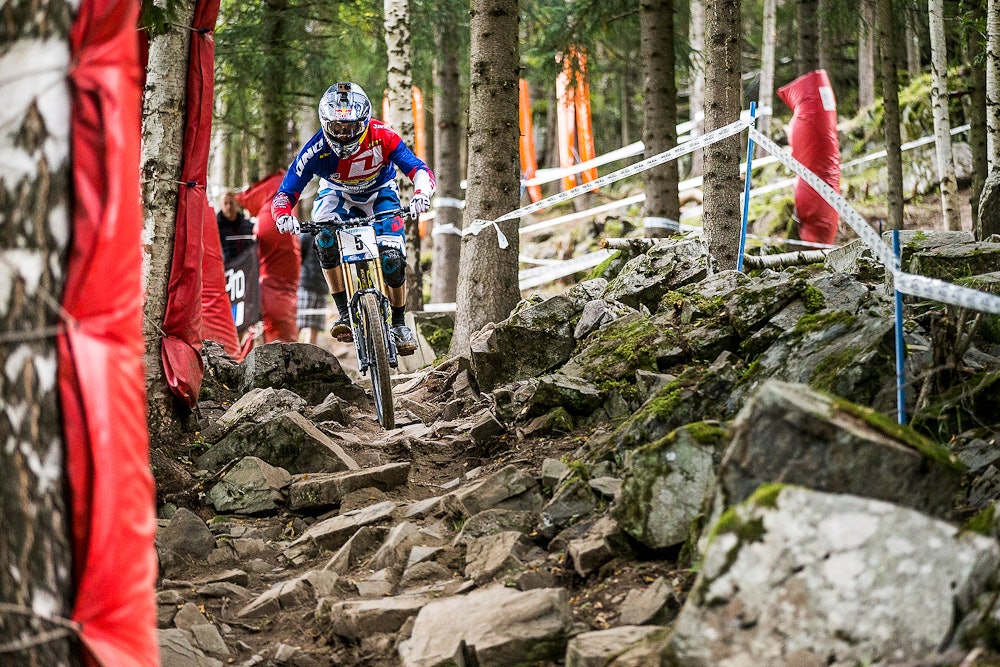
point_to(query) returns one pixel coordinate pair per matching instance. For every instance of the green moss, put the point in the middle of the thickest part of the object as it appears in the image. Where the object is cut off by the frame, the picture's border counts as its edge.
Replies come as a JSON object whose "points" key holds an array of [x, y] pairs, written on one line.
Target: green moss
{"points": [[619, 351], [812, 322], [706, 433], [901, 433], [828, 371], [665, 402], [439, 338], [601, 269], [981, 523], [766, 495], [813, 299]]}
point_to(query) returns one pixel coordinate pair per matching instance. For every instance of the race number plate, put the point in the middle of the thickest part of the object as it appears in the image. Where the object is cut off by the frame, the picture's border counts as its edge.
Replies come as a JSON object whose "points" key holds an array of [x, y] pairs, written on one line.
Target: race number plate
{"points": [[357, 243]]}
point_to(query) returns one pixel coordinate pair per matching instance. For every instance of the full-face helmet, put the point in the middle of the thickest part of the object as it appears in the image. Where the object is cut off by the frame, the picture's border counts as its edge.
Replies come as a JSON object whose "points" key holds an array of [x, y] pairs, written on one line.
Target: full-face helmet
{"points": [[344, 112]]}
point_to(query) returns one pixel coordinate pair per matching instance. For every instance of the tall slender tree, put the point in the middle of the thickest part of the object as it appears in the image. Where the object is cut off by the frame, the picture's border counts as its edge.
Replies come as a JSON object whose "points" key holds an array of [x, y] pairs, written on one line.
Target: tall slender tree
{"points": [[890, 100], [866, 54], [659, 95], [942, 123], [807, 23], [765, 98], [993, 84], [447, 165], [487, 281], [400, 96], [912, 35], [163, 113], [696, 39], [722, 106], [975, 46], [35, 190]]}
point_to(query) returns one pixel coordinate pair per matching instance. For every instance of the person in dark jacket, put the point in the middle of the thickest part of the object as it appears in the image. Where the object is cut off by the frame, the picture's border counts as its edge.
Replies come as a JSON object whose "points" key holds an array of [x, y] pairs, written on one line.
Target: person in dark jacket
{"points": [[235, 229]]}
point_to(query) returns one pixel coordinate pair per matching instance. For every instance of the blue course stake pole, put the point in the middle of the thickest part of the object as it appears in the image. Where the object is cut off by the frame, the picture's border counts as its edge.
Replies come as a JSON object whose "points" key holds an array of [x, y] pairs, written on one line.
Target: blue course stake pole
{"points": [[746, 194], [900, 348]]}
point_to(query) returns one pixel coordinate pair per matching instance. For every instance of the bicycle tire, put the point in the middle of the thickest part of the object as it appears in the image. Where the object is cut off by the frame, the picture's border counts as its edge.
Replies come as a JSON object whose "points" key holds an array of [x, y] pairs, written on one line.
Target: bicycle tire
{"points": [[378, 367]]}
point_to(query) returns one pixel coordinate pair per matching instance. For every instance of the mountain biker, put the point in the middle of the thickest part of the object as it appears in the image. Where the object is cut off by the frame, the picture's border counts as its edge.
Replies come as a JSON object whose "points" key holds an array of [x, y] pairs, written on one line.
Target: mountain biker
{"points": [[356, 157]]}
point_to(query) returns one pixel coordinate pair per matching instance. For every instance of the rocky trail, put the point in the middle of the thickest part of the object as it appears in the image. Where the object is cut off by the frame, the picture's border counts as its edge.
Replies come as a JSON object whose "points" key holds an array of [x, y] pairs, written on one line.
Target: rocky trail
{"points": [[664, 465]]}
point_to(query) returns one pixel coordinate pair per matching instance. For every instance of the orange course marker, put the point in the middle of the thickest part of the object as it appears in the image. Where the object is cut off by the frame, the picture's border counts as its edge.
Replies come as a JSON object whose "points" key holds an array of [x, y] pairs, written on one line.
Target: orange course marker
{"points": [[529, 160], [566, 122], [584, 124]]}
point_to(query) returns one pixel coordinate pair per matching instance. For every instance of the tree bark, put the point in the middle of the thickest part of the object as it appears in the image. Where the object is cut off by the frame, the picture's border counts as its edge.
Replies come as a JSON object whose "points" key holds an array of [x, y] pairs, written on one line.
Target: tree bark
{"points": [[866, 54], [447, 167], [487, 281], [912, 36], [163, 118], [942, 123], [696, 35], [974, 46], [400, 94], [274, 98], [765, 97], [890, 98], [808, 35], [723, 185], [993, 83], [659, 105], [36, 550]]}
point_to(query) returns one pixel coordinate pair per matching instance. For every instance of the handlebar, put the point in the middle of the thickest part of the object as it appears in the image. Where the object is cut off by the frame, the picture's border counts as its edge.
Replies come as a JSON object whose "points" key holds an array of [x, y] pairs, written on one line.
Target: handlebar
{"points": [[312, 226]]}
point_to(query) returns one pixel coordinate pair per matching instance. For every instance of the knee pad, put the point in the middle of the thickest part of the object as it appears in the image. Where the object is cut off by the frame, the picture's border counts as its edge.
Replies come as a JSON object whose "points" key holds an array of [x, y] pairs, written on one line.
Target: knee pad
{"points": [[393, 266], [326, 249]]}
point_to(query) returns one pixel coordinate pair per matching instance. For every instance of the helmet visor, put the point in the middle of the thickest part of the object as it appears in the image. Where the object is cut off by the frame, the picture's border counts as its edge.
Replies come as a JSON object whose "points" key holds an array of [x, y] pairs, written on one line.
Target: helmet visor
{"points": [[344, 131]]}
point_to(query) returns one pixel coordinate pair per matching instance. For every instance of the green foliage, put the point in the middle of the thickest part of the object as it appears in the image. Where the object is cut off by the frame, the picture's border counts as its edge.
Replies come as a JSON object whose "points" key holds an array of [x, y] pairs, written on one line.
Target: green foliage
{"points": [[156, 19], [982, 522]]}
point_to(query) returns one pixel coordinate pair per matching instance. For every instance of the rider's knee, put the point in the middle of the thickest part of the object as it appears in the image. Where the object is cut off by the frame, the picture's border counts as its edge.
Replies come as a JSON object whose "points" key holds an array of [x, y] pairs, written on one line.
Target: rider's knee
{"points": [[393, 266], [326, 249]]}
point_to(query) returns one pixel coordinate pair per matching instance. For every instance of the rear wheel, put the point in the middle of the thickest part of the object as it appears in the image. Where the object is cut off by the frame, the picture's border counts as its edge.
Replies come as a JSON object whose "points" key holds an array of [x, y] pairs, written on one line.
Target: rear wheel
{"points": [[378, 368]]}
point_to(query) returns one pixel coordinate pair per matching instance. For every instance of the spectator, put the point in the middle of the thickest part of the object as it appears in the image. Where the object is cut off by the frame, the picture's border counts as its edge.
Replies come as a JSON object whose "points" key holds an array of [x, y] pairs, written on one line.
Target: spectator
{"points": [[312, 292], [235, 229]]}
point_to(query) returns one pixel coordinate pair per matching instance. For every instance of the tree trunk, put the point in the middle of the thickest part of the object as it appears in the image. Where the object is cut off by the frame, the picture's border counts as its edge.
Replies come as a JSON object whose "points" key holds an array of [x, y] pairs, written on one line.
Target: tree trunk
{"points": [[659, 106], [447, 167], [765, 97], [487, 281], [625, 105], [696, 34], [825, 47], [163, 118], [400, 94], [993, 83], [274, 98], [723, 185], [36, 550], [912, 36], [866, 54], [974, 46], [808, 35], [942, 123], [890, 97]]}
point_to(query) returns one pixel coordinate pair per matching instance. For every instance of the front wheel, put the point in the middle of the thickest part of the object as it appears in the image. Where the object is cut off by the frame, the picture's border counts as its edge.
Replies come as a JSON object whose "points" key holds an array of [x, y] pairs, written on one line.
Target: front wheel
{"points": [[378, 357]]}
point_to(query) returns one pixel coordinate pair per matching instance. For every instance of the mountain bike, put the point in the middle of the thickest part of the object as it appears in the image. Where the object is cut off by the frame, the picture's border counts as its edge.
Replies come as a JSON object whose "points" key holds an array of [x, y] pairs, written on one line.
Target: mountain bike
{"points": [[368, 306]]}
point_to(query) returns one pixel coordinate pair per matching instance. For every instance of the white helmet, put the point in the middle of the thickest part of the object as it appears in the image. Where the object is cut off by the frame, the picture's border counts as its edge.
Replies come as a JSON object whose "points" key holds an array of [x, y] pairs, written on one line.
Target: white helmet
{"points": [[344, 112]]}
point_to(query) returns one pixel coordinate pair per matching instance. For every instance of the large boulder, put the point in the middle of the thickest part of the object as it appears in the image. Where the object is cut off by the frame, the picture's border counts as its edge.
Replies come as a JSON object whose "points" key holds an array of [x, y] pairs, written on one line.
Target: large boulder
{"points": [[289, 441], [791, 434], [667, 483], [667, 265], [988, 222], [798, 577], [310, 371], [536, 338]]}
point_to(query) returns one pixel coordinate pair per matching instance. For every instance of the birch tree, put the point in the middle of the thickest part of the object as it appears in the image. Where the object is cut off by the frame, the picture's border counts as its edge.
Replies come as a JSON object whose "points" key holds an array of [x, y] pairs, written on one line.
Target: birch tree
{"points": [[942, 124], [447, 167], [662, 208], [890, 99], [163, 113], [975, 47], [866, 54], [487, 281], [696, 37], [36, 551], [722, 106], [993, 84], [400, 96]]}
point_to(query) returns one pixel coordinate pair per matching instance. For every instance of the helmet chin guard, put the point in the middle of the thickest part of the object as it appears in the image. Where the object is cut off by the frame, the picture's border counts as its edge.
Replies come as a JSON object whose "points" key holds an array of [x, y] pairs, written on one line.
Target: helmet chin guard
{"points": [[344, 113]]}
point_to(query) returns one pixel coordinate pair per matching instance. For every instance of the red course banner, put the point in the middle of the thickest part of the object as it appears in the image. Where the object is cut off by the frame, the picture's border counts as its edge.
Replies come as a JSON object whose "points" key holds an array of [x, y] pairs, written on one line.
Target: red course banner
{"points": [[101, 378]]}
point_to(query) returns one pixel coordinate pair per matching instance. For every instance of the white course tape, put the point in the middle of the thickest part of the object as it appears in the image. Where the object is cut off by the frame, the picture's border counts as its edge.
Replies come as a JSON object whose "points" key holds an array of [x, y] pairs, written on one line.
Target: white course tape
{"points": [[441, 230], [908, 283], [861, 227], [683, 149], [448, 202], [661, 223]]}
